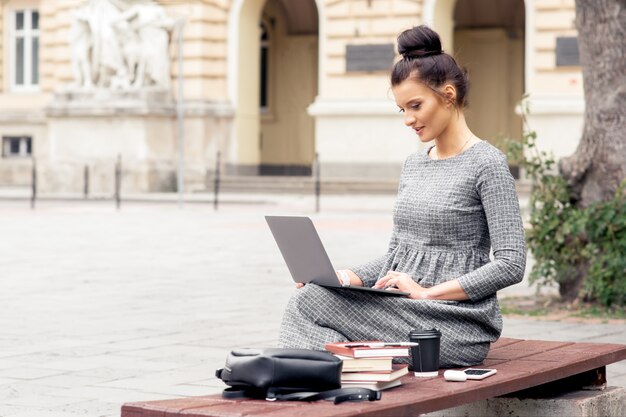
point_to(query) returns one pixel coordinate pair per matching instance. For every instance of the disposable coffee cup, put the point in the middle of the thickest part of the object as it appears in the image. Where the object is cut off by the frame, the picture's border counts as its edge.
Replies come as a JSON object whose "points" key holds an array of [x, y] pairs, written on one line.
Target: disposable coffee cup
{"points": [[425, 356]]}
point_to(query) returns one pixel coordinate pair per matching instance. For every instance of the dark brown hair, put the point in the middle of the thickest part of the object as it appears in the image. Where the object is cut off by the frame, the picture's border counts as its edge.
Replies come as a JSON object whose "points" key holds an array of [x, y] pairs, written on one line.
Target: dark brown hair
{"points": [[425, 61]]}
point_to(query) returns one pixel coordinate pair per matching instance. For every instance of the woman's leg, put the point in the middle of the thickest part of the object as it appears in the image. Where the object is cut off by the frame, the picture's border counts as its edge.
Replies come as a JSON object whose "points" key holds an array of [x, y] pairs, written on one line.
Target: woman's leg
{"points": [[316, 316], [300, 328]]}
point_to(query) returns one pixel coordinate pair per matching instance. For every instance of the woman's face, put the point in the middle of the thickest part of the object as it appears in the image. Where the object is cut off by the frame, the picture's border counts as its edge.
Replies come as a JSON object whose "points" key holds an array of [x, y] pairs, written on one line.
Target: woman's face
{"points": [[425, 111]]}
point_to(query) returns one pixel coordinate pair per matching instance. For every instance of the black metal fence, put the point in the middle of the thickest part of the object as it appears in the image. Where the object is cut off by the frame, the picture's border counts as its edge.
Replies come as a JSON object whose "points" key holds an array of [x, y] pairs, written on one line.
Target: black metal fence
{"points": [[118, 177]]}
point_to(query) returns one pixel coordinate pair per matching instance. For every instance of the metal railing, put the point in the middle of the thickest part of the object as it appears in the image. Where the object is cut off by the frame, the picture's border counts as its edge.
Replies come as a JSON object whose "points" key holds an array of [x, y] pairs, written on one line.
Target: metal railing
{"points": [[217, 183]]}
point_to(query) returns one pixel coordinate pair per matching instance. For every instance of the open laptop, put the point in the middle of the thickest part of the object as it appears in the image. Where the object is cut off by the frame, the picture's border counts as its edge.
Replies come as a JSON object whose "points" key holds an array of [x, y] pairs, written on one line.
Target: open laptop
{"points": [[306, 257]]}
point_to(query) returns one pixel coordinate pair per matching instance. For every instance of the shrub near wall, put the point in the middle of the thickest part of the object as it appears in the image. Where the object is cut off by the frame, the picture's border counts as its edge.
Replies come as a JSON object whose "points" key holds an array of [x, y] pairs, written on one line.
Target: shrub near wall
{"points": [[583, 250]]}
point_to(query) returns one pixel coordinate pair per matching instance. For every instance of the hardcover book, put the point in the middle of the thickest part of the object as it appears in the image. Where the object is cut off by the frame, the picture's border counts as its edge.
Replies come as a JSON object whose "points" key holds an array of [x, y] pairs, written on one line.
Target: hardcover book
{"points": [[368, 349], [376, 386], [365, 364], [398, 371]]}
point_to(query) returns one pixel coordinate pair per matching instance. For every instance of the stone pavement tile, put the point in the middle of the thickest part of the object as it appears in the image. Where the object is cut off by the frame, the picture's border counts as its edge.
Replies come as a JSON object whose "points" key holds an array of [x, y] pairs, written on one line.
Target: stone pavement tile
{"points": [[112, 395], [113, 361], [26, 360], [44, 400], [46, 413], [588, 332], [202, 381], [182, 390], [88, 409], [108, 374], [74, 364], [214, 390], [213, 382], [78, 351], [613, 335], [178, 376], [7, 381], [615, 380], [7, 353], [564, 331], [141, 343], [619, 368], [616, 374], [22, 389], [147, 383], [68, 381], [175, 352], [28, 373], [249, 339], [531, 329], [188, 330], [11, 410], [206, 349], [144, 384]]}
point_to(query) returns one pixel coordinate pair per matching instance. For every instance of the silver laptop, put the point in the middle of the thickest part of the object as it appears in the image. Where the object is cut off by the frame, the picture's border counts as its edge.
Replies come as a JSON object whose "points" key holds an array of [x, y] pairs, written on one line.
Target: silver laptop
{"points": [[306, 257]]}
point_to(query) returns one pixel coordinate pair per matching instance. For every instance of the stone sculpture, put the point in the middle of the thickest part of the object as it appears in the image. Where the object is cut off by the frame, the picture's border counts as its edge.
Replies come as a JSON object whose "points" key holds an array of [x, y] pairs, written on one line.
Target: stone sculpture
{"points": [[121, 44], [81, 43]]}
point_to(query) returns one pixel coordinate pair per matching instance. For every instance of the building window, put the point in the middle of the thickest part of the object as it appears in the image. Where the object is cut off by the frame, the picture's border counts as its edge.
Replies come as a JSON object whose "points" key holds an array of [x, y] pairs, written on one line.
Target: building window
{"points": [[17, 146], [265, 43], [24, 41]]}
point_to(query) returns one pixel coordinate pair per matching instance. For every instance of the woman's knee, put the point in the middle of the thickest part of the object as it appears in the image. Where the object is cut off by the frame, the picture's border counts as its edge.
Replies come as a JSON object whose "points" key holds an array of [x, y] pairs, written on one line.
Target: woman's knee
{"points": [[307, 298]]}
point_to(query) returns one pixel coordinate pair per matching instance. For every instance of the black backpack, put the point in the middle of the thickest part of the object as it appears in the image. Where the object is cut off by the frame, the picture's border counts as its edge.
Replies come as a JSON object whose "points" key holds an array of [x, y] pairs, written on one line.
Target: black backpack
{"points": [[288, 375]]}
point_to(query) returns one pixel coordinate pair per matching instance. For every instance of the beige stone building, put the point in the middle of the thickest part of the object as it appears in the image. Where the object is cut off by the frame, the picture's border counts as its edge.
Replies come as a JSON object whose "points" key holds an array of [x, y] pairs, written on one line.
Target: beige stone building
{"points": [[270, 83]]}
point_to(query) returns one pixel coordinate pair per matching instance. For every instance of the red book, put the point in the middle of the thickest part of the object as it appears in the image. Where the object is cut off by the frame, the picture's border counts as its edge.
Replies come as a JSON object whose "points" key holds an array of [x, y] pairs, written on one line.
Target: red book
{"points": [[368, 349]]}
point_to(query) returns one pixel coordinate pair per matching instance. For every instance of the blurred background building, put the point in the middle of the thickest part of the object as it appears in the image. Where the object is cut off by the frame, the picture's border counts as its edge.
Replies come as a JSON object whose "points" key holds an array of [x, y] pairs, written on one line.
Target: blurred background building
{"points": [[268, 83]]}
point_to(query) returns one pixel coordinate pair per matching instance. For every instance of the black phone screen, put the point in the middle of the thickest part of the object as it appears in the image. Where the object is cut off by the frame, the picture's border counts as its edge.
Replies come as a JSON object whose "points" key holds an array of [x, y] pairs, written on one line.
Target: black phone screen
{"points": [[477, 371]]}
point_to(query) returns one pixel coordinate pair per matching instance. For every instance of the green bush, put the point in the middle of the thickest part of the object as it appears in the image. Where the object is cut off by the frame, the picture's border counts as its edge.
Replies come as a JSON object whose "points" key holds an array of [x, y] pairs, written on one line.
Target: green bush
{"points": [[570, 243], [606, 229]]}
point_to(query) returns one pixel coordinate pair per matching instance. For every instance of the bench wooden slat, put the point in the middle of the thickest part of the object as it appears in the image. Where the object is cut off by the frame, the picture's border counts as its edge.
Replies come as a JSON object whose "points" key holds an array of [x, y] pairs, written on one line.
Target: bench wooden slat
{"points": [[504, 341], [521, 364], [524, 349]]}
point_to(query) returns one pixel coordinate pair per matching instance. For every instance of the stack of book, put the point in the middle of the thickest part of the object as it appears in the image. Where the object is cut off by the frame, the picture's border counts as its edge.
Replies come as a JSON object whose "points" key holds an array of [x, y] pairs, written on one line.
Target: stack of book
{"points": [[369, 364]]}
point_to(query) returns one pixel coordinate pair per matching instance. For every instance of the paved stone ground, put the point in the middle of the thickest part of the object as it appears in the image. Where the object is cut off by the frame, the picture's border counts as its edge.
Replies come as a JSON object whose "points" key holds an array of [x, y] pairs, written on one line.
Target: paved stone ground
{"points": [[101, 307]]}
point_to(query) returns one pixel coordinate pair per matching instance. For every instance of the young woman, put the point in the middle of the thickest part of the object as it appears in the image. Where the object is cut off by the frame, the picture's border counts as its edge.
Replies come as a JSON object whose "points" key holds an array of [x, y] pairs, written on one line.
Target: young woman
{"points": [[456, 201]]}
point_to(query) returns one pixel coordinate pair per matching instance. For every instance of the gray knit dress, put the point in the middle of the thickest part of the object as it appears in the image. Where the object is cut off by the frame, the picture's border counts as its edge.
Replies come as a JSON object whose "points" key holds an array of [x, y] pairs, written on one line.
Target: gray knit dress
{"points": [[448, 215]]}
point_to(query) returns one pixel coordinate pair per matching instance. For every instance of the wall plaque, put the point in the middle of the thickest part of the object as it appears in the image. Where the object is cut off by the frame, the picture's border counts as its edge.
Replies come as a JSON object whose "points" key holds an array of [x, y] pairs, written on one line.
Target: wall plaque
{"points": [[369, 57], [567, 52]]}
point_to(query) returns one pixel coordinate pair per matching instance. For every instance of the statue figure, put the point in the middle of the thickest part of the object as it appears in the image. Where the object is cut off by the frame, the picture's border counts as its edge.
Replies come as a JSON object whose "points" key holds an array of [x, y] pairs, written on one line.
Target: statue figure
{"points": [[119, 44], [153, 28], [81, 46], [131, 47], [107, 55]]}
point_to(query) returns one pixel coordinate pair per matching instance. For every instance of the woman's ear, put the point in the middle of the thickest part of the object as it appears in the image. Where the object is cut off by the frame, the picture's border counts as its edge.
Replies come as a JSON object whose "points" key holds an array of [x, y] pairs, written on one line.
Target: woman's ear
{"points": [[449, 93]]}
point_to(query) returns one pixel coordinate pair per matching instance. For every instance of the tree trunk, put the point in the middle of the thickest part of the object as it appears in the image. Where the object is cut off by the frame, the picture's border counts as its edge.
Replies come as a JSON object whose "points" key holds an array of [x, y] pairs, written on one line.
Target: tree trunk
{"points": [[599, 164]]}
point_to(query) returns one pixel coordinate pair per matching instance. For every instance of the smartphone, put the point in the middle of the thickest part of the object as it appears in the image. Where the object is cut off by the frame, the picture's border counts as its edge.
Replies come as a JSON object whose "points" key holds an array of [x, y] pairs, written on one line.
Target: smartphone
{"points": [[475, 373]]}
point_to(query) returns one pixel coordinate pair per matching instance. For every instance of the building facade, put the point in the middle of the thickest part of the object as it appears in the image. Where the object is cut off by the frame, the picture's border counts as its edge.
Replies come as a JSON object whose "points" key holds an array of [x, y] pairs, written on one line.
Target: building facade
{"points": [[269, 84]]}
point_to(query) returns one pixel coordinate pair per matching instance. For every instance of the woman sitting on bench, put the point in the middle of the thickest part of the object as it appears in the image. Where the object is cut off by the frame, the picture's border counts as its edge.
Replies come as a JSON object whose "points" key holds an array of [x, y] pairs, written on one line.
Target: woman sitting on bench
{"points": [[456, 201]]}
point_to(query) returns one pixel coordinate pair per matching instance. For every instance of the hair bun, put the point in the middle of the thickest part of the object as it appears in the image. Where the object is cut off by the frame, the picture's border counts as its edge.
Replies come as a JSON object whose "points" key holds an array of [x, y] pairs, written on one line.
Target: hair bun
{"points": [[419, 42]]}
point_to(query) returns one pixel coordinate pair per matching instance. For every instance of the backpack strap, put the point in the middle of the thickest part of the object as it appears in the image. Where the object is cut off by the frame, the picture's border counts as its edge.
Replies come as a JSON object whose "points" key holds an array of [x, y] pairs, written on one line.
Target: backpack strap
{"points": [[340, 395], [234, 393]]}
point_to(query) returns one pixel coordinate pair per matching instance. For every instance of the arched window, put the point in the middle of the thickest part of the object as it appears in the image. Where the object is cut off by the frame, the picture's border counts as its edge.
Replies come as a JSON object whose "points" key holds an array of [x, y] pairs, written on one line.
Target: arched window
{"points": [[264, 81]]}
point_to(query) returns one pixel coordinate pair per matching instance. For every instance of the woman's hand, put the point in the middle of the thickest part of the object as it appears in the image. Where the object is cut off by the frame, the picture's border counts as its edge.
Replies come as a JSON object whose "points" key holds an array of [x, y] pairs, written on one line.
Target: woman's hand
{"points": [[449, 290], [403, 282]]}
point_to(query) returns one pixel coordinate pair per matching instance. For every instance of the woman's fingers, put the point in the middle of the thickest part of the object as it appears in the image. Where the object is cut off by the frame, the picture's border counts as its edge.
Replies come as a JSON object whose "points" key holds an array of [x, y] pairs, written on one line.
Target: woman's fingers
{"points": [[393, 278], [383, 282], [299, 285]]}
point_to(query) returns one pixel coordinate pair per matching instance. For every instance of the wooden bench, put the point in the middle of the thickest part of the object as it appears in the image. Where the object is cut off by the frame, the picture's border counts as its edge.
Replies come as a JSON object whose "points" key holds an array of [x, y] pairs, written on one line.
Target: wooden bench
{"points": [[521, 365]]}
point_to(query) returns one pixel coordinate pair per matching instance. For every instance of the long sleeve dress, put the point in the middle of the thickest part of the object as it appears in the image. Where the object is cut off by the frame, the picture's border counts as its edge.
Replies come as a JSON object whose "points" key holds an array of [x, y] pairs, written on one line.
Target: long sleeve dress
{"points": [[448, 215]]}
